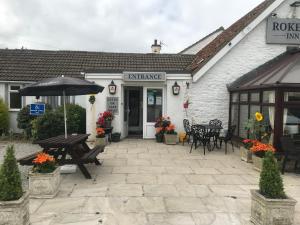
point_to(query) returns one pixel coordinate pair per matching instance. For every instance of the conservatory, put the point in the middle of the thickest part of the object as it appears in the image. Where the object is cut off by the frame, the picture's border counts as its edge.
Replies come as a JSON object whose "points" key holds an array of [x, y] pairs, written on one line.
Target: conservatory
{"points": [[272, 89]]}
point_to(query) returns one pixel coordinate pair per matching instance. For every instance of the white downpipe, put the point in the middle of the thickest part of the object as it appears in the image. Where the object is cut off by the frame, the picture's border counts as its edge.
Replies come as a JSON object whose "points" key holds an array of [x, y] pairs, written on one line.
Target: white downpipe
{"points": [[65, 113]]}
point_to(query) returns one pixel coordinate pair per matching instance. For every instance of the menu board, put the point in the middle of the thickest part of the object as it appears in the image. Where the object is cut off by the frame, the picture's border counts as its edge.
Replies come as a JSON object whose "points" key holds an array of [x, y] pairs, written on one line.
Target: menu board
{"points": [[112, 105]]}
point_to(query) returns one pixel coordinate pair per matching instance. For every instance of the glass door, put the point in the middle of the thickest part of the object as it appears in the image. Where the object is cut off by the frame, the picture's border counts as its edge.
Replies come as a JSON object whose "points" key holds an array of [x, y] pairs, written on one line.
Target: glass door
{"points": [[153, 109]]}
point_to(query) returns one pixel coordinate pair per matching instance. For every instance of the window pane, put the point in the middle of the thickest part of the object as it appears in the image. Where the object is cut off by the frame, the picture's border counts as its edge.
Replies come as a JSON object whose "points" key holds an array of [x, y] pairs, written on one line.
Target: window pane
{"points": [[269, 114], [154, 104], [244, 97], [235, 117], [243, 120], [291, 121], [15, 101], [269, 97], [235, 97], [254, 109], [254, 97], [291, 96], [15, 87]]}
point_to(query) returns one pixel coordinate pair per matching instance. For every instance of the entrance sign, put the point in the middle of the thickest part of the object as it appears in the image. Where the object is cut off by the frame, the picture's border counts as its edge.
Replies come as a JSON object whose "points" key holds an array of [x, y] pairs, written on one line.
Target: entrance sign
{"points": [[112, 105], [144, 76], [37, 109], [283, 31]]}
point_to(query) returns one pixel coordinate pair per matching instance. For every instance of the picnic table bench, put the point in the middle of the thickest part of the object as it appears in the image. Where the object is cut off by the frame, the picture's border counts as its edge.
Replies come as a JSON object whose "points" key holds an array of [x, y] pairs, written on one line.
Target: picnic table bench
{"points": [[70, 150]]}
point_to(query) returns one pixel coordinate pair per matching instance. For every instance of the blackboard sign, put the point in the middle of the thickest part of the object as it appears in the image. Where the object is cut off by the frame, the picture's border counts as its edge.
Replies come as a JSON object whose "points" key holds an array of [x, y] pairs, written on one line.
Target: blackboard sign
{"points": [[112, 105]]}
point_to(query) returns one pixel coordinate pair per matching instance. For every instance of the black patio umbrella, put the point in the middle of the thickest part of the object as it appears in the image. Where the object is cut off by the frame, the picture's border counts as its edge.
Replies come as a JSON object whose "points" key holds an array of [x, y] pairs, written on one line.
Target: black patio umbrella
{"points": [[61, 86]]}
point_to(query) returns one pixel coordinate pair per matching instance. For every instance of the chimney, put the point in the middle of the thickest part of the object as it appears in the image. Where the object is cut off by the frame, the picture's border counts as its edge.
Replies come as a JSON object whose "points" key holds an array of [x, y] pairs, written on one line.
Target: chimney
{"points": [[156, 47]]}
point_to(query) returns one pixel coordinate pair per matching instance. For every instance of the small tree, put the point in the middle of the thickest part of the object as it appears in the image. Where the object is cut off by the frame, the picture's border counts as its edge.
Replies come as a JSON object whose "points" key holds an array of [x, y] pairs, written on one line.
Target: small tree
{"points": [[270, 183], [10, 178], [4, 117]]}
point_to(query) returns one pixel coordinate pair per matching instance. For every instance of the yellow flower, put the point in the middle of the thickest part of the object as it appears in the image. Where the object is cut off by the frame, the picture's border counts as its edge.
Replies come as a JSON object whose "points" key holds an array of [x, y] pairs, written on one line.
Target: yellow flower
{"points": [[258, 116]]}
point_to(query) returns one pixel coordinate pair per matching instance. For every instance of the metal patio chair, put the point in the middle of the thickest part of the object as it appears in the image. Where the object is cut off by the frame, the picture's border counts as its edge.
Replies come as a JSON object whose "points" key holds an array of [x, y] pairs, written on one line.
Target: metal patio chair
{"points": [[228, 138], [200, 135], [187, 129]]}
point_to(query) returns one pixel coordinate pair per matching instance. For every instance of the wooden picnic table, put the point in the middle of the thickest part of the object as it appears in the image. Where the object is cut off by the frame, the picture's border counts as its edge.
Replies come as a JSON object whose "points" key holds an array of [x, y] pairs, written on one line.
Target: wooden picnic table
{"points": [[73, 146]]}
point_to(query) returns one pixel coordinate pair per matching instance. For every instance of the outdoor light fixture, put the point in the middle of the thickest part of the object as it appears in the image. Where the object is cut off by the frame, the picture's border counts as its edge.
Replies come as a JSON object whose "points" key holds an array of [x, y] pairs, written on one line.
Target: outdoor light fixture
{"points": [[176, 88], [112, 88]]}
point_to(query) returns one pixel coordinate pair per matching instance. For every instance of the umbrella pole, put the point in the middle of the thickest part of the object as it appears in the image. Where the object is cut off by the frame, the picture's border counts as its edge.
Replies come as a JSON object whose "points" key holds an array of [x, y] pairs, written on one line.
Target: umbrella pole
{"points": [[65, 113]]}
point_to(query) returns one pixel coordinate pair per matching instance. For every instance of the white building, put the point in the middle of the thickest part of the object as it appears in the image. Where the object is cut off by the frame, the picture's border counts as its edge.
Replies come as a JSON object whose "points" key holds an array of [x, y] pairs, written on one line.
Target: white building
{"points": [[144, 81]]}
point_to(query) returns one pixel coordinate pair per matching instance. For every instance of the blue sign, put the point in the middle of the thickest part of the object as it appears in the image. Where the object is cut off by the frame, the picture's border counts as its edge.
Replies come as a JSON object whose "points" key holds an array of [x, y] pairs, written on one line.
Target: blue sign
{"points": [[37, 109]]}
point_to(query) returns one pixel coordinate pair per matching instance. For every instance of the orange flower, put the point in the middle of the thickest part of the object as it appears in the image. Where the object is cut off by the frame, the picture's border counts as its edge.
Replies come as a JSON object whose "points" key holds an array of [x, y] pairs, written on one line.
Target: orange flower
{"points": [[43, 158], [158, 129], [100, 131], [258, 147], [171, 127]]}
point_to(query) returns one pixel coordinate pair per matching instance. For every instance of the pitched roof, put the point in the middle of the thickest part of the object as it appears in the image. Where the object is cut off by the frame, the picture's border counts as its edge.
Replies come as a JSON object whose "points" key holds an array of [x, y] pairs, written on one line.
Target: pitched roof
{"points": [[33, 65], [202, 39], [205, 54], [282, 70]]}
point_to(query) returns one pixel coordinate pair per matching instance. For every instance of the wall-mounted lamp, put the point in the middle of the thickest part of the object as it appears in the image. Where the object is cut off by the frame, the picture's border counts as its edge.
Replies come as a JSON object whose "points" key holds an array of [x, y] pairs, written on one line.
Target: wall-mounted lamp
{"points": [[176, 89], [112, 88], [187, 85]]}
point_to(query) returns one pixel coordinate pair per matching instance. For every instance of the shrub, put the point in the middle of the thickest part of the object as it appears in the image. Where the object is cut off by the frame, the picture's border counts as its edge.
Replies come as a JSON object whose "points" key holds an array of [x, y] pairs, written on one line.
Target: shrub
{"points": [[75, 118], [4, 117], [270, 183], [10, 178], [24, 119], [49, 125]]}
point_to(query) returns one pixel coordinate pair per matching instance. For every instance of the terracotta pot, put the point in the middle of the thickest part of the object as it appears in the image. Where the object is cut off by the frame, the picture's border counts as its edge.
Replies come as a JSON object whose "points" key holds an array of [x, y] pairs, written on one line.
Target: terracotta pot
{"points": [[44, 185], [15, 212], [246, 154], [170, 139], [265, 211], [257, 162]]}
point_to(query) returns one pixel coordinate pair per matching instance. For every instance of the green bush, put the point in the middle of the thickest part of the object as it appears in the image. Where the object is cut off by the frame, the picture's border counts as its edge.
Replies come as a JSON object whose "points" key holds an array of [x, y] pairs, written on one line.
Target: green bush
{"points": [[270, 183], [4, 117], [10, 177], [51, 124], [76, 118], [24, 119]]}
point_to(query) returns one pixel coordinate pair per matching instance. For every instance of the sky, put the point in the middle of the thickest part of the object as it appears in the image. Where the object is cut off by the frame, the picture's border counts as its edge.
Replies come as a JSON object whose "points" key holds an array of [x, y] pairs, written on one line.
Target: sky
{"points": [[114, 25]]}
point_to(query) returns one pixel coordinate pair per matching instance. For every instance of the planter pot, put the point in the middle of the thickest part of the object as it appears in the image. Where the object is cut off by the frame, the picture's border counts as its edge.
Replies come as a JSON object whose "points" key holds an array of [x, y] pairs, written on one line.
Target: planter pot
{"points": [[257, 162], [246, 154], [44, 185], [170, 139], [100, 141], [266, 211], [159, 138], [15, 212]]}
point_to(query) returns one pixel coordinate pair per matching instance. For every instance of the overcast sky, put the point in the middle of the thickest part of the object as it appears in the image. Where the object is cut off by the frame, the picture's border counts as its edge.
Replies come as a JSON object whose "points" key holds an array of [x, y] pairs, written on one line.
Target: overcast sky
{"points": [[114, 25]]}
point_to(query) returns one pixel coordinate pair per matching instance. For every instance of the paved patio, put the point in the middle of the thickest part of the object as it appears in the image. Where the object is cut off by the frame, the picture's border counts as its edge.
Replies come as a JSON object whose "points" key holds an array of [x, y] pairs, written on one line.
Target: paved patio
{"points": [[143, 182]]}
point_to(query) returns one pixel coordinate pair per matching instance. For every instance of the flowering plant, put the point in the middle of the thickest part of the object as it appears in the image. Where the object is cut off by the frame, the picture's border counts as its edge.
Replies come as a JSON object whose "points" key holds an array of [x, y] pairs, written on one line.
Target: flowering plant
{"points": [[100, 132], [163, 122], [259, 148], [44, 163], [170, 129], [256, 127], [105, 116], [248, 143]]}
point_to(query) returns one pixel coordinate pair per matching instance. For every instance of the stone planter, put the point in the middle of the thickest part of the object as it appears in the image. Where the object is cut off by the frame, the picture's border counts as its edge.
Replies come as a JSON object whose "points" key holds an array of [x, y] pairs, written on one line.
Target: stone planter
{"points": [[257, 162], [44, 185], [266, 211], [15, 212], [246, 154], [100, 141], [170, 139]]}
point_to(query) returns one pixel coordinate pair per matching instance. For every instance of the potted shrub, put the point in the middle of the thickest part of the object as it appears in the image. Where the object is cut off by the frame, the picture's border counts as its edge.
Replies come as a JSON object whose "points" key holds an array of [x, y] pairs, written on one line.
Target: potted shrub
{"points": [[170, 135], [104, 119], [14, 203], [270, 205], [246, 154], [259, 149], [44, 179], [100, 136], [160, 127]]}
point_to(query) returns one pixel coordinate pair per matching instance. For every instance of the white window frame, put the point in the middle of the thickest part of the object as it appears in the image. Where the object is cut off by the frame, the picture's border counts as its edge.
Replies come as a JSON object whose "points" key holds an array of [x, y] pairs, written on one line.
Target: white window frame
{"points": [[14, 91]]}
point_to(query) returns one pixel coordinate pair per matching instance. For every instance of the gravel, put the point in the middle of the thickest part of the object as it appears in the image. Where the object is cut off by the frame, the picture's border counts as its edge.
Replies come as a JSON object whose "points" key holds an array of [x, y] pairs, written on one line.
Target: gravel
{"points": [[21, 149]]}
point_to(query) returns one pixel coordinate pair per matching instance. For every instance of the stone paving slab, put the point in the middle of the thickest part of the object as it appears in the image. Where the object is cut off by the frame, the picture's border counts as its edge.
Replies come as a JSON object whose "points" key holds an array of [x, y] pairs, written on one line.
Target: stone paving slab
{"points": [[142, 182]]}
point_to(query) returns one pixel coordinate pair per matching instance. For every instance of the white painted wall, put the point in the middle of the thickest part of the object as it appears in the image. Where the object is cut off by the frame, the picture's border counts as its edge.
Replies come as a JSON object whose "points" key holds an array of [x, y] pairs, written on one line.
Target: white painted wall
{"points": [[194, 49], [209, 95]]}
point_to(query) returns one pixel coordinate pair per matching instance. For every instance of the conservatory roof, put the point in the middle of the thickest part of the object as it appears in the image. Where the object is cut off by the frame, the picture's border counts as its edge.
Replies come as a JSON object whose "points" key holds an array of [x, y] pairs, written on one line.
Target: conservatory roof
{"points": [[282, 71]]}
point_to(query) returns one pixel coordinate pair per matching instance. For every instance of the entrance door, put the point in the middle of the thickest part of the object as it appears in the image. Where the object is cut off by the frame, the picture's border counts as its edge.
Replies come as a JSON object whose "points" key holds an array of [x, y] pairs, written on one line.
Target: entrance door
{"points": [[126, 112], [135, 116], [153, 109]]}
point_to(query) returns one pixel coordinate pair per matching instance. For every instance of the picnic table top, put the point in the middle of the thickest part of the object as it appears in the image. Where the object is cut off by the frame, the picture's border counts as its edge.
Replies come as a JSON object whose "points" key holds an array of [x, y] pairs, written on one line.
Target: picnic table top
{"points": [[61, 141]]}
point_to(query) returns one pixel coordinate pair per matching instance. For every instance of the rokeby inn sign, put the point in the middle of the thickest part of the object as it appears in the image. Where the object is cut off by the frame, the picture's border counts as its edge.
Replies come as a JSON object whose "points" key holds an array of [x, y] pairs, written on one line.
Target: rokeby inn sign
{"points": [[283, 31]]}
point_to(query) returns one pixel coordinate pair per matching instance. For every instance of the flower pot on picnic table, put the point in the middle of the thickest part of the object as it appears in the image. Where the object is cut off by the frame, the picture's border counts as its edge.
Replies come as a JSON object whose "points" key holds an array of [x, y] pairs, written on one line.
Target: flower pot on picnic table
{"points": [[44, 185], [16, 211], [246, 154], [170, 139]]}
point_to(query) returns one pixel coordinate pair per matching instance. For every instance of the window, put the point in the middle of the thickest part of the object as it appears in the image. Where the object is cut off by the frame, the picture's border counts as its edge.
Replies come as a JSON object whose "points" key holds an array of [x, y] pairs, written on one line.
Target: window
{"points": [[254, 97], [292, 96], [235, 97], [243, 120], [244, 97], [154, 104], [269, 97], [15, 99], [235, 117], [291, 121]]}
